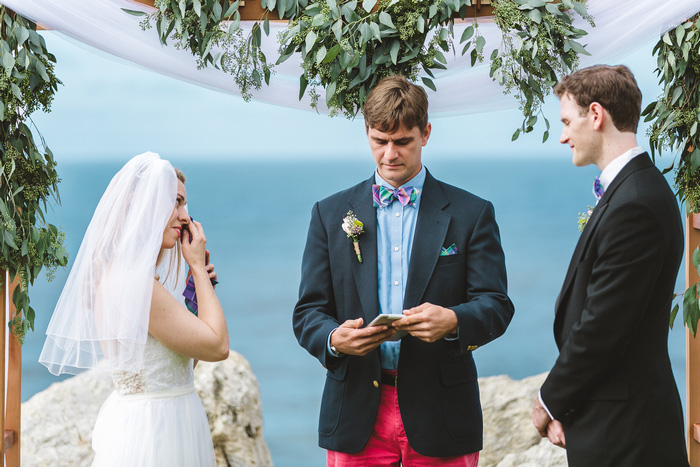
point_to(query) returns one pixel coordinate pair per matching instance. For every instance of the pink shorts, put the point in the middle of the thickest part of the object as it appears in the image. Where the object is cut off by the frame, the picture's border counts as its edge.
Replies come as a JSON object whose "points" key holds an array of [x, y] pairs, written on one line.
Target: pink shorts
{"points": [[388, 445]]}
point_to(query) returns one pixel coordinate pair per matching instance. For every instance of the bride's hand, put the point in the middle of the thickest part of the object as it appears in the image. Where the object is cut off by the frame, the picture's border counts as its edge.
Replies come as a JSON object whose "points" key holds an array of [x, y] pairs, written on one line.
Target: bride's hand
{"points": [[194, 250], [210, 270]]}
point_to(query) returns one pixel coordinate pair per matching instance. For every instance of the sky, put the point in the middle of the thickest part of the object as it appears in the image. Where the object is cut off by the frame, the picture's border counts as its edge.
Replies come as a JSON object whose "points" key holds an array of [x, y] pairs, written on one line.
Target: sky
{"points": [[110, 109]]}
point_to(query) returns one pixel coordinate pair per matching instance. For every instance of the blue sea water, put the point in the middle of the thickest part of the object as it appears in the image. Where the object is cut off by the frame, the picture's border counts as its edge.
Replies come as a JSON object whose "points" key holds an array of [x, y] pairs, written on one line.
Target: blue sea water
{"points": [[256, 215]]}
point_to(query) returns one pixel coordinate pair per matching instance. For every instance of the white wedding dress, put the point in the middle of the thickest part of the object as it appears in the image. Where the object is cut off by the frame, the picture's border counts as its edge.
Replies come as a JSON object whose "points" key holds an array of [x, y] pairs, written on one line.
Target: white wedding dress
{"points": [[154, 417]]}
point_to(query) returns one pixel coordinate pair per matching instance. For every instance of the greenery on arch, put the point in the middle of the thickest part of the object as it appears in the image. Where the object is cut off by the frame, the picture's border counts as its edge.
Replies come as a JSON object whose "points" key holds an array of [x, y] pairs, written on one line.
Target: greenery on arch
{"points": [[675, 117], [346, 46], [28, 177]]}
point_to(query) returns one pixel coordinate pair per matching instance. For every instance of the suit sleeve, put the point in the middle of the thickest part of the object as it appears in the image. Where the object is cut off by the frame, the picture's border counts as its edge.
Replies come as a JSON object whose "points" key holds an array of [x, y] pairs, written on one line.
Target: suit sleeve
{"points": [[623, 277], [487, 311], [314, 314]]}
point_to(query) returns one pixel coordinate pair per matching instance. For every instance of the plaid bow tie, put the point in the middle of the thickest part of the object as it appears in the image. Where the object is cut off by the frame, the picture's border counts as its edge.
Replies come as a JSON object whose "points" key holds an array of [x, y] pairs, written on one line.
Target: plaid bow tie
{"points": [[598, 189], [384, 196]]}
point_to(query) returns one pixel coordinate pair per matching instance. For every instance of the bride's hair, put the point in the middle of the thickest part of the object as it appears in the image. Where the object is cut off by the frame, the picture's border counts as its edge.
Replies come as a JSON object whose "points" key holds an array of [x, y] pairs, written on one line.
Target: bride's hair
{"points": [[174, 261]]}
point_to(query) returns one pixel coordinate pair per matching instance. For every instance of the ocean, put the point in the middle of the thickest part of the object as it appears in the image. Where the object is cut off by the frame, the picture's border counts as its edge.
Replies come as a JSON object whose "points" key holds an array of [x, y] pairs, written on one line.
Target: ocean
{"points": [[255, 215]]}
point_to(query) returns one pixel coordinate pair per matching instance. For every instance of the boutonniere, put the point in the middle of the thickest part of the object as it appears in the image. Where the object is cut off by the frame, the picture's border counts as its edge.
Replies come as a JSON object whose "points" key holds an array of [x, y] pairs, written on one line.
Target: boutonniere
{"points": [[583, 218], [353, 228]]}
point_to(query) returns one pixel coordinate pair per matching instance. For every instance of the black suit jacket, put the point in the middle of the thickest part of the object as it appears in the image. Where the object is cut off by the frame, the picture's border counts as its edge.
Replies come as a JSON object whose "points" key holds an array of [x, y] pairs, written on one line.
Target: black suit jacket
{"points": [[612, 386], [437, 387]]}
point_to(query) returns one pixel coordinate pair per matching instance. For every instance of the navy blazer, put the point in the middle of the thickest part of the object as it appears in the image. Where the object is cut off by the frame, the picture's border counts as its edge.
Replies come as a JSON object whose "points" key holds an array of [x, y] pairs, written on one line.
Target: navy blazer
{"points": [[612, 386], [437, 383]]}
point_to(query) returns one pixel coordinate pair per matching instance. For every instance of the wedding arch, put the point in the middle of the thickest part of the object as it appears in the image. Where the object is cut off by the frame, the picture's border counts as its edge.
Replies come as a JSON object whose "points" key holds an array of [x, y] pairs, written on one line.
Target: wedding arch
{"points": [[449, 59]]}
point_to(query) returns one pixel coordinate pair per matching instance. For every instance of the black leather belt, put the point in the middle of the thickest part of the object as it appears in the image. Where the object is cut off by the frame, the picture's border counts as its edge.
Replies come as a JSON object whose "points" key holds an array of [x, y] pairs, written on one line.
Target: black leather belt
{"points": [[389, 379]]}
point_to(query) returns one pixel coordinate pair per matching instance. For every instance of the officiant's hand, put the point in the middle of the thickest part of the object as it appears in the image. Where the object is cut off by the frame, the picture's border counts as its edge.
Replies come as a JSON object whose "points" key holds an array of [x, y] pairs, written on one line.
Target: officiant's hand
{"points": [[428, 322], [540, 418], [350, 338], [555, 433]]}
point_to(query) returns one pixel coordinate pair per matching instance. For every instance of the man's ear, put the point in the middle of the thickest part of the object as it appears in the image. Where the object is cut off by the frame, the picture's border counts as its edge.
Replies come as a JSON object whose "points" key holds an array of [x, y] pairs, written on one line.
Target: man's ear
{"points": [[598, 115], [426, 134]]}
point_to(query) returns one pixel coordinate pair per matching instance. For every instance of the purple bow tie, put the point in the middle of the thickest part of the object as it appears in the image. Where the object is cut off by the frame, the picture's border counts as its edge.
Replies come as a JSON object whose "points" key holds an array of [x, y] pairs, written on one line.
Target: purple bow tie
{"points": [[383, 196], [598, 189]]}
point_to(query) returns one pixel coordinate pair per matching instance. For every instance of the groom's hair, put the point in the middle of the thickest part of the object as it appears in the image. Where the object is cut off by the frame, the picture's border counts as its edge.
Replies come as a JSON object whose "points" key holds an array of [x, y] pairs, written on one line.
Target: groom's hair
{"points": [[395, 102], [613, 87]]}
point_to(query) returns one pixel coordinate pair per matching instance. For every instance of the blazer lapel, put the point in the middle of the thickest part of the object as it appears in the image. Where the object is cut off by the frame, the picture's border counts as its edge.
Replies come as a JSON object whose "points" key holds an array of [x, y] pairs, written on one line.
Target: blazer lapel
{"points": [[640, 162], [431, 229], [365, 273]]}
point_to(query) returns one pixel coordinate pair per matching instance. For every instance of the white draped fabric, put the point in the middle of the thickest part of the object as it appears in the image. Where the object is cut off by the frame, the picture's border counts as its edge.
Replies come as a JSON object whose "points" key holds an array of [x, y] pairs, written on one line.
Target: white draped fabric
{"points": [[621, 27]]}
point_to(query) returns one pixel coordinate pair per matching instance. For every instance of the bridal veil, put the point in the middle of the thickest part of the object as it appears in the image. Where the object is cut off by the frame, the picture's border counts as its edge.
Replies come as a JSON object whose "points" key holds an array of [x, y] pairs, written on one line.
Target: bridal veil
{"points": [[104, 308]]}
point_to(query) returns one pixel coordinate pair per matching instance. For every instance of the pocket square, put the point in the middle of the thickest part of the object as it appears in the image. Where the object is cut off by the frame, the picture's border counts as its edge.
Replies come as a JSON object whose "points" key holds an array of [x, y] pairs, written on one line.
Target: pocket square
{"points": [[450, 250]]}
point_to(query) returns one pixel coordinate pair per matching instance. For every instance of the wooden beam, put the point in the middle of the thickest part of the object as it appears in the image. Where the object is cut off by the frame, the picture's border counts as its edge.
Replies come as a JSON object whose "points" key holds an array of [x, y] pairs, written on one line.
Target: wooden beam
{"points": [[3, 333], [251, 10], [692, 355]]}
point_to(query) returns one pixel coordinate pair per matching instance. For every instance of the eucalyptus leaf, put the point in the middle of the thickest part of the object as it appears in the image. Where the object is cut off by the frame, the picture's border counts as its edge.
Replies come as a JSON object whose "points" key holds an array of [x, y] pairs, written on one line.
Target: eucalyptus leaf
{"points": [[385, 19], [578, 48], [394, 51], [330, 92], [310, 40], [467, 34], [535, 16], [420, 24], [134, 12], [429, 83], [580, 8], [368, 5], [374, 27], [680, 32]]}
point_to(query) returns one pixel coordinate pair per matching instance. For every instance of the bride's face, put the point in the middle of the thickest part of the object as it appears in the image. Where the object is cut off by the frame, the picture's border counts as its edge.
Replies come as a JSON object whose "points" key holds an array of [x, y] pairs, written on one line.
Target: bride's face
{"points": [[179, 218]]}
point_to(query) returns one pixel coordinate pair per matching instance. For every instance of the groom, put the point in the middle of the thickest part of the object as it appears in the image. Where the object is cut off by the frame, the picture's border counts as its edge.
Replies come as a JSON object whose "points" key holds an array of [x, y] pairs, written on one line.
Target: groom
{"points": [[431, 253], [611, 399]]}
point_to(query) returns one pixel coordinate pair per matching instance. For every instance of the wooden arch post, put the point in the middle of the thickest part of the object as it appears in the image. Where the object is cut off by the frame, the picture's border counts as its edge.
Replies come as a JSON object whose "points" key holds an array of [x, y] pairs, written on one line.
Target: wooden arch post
{"points": [[692, 349], [10, 400]]}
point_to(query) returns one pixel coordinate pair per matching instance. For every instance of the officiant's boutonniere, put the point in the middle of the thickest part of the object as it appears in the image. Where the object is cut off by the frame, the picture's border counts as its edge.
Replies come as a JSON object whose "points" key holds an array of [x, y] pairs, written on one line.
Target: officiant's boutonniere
{"points": [[354, 228], [583, 218]]}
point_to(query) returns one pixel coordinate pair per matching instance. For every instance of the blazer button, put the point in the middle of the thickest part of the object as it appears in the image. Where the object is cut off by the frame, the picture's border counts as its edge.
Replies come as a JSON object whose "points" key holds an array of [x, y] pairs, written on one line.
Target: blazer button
{"points": [[375, 383], [472, 348]]}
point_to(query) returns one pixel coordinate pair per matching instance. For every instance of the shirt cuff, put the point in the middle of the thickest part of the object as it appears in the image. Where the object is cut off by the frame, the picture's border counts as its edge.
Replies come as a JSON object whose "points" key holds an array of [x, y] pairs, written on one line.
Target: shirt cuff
{"points": [[328, 344], [456, 338], [539, 396]]}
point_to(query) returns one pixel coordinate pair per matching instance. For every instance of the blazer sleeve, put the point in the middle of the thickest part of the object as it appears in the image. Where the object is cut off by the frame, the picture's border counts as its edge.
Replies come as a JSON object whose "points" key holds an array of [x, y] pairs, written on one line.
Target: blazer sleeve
{"points": [[487, 311], [624, 275], [314, 314]]}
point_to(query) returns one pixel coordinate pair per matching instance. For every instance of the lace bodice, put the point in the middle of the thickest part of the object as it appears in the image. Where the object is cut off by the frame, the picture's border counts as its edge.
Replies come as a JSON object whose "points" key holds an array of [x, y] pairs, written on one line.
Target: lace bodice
{"points": [[162, 369]]}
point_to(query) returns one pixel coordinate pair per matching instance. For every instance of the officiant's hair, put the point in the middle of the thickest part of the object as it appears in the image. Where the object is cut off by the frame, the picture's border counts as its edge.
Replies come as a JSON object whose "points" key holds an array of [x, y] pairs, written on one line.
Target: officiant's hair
{"points": [[613, 87], [396, 102]]}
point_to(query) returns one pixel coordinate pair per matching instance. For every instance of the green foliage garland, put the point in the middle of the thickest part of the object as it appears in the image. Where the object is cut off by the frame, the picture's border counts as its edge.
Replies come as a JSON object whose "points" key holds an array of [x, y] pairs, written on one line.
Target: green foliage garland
{"points": [[676, 116], [200, 27], [347, 46], [539, 45], [28, 177]]}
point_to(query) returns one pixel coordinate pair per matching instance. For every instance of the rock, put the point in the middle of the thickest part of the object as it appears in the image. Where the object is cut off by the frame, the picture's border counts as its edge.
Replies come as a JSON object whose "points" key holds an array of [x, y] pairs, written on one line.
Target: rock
{"points": [[231, 397], [57, 423], [510, 440], [544, 454]]}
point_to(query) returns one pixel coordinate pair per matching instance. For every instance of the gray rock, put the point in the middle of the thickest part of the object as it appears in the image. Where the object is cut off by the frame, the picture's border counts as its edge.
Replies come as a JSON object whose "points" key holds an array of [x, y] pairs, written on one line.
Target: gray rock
{"points": [[510, 440], [57, 423]]}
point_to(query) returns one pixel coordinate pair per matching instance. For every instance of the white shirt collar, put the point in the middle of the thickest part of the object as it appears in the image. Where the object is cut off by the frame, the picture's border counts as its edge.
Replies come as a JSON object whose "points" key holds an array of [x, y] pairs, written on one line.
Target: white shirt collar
{"points": [[616, 165]]}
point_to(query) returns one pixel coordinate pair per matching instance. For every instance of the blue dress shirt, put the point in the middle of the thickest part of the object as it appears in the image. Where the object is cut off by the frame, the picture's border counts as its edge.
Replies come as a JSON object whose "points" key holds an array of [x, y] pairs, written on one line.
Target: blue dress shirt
{"points": [[396, 226]]}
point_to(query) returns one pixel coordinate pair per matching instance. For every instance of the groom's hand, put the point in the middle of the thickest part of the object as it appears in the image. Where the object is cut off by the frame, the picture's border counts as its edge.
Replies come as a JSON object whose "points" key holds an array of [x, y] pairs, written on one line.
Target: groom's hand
{"points": [[352, 339], [428, 322]]}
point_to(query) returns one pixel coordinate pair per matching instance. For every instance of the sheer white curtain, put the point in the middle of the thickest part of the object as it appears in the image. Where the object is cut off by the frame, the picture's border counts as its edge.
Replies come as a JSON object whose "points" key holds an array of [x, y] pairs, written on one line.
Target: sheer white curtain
{"points": [[621, 27]]}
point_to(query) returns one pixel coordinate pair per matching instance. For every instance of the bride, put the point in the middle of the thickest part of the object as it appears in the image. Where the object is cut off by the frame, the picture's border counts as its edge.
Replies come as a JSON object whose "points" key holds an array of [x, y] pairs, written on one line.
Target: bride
{"points": [[122, 302]]}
